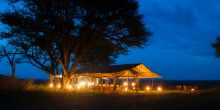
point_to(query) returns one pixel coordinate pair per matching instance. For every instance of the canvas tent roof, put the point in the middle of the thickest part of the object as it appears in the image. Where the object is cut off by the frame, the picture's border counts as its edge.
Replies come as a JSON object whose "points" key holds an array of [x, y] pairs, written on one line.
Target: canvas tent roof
{"points": [[126, 70]]}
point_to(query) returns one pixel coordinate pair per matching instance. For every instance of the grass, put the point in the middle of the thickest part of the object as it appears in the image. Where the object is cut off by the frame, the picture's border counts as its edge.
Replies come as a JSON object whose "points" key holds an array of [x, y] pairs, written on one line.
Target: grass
{"points": [[25, 95], [53, 100]]}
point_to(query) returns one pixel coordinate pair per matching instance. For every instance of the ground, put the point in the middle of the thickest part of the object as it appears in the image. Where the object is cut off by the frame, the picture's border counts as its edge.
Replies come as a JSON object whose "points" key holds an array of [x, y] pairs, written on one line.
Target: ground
{"points": [[57, 100], [29, 95]]}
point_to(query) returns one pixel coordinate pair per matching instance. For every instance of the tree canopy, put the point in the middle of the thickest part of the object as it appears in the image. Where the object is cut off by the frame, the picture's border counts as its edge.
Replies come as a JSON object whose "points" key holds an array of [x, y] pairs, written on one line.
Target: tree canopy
{"points": [[75, 31]]}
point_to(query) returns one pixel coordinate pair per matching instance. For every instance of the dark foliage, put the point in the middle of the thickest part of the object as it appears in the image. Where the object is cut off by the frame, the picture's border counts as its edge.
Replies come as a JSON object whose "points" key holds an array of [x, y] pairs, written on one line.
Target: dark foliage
{"points": [[85, 32]]}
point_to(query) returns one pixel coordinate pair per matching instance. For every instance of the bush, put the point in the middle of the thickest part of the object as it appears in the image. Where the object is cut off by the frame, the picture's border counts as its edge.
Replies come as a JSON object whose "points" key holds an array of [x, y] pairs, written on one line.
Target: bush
{"points": [[6, 83], [28, 84]]}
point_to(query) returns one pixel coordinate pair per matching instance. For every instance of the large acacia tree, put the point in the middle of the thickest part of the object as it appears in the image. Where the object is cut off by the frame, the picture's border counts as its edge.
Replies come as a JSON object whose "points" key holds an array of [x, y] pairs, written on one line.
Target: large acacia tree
{"points": [[216, 45], [78, 31]]}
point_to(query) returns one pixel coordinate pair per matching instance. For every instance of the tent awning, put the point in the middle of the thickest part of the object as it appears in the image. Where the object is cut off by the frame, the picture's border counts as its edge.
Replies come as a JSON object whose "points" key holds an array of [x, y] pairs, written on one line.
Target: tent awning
{"points": [[120, 71]]}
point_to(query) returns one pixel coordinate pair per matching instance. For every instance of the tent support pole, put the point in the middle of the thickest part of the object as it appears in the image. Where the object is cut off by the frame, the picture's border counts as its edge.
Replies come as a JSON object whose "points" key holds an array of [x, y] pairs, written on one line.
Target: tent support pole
{"points": [[152, 82], [137, 83], [114, 83], [127, 80], [101, 83]]}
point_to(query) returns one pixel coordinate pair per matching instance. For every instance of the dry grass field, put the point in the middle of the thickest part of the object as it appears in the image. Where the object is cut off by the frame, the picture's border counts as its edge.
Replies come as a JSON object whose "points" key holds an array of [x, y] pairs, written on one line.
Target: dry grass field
{"points": [[12, 98], [52, 100]]}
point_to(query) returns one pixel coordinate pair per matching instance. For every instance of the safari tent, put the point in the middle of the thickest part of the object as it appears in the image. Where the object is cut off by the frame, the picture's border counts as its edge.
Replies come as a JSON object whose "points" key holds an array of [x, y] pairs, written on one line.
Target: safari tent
{"points": [[110, 76], [119, 71]]}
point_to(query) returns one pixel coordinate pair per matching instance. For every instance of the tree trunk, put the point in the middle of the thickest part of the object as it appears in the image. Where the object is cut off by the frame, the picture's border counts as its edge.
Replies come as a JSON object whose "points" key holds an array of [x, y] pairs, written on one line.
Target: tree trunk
{"points": [[65, 68], [73, 67], [50, 80], [12, 71], [65, 81], [65, 78]]}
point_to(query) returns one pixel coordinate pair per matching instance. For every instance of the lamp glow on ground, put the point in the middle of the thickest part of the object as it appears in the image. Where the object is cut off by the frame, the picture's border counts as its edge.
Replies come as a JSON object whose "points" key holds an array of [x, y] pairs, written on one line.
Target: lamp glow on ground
{"points": [[69, 86], [159, 88], [148, 88], [126, 88], [78, 86], [125, 84], [51, 85], [133, 84], [58, 86]]}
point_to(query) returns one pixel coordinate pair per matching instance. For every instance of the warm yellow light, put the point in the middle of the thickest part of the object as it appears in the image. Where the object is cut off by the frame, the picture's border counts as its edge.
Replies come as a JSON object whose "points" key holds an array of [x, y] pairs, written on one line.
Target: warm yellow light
{"points": [[192, 89], [78, 86], [147, 88], [133, 84], [58, 86], [51, 85], [89, 84], [83, 83], [69, 86], [133, 88], [125, 83], [92, 83], [126, 88], [159, 88]]}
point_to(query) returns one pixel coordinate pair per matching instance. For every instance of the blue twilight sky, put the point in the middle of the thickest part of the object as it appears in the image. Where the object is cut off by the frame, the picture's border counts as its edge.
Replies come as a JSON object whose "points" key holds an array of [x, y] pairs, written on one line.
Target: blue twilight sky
{"points": [[180, 48]]}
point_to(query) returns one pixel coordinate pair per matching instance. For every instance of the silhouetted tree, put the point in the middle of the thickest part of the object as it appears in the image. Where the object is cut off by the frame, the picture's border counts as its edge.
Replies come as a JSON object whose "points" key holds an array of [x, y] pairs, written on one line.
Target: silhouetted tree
{"points": [[37, 52], [12, 56], [216, 45], [80, 31]]}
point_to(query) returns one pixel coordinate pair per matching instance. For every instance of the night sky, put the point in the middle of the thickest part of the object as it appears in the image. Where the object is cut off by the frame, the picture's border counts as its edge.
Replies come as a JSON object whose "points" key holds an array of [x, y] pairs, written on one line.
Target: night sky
{"points": [[180, 48]]}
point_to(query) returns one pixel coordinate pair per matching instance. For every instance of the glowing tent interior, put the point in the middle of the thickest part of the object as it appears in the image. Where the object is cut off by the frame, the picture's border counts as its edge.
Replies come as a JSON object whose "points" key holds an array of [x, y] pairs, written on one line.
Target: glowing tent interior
{"points": [[120, 71], [109, 77]]}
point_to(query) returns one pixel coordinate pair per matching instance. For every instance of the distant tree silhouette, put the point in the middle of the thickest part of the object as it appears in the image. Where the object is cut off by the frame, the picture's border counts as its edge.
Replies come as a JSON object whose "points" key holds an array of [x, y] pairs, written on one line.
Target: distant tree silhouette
{"points": [[78, 31], [39, 53], [216, 45], [11, 54]]}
